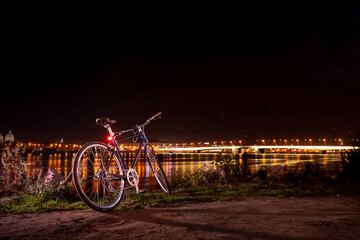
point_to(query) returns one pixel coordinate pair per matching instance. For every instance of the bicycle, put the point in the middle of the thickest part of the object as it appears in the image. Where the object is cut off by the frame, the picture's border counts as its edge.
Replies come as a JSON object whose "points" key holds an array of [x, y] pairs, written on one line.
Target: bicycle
{"points": [[100, 174]]}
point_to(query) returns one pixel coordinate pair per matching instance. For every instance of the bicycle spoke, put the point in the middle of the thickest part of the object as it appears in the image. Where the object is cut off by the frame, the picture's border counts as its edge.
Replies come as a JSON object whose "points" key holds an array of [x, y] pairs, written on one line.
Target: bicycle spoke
{"points": [[100, 188]]}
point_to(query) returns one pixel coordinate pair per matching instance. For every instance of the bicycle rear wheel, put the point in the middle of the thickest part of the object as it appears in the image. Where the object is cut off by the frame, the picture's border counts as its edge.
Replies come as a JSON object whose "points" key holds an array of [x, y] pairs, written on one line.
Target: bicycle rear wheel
{"points": [[157, 169], [96, 174]]}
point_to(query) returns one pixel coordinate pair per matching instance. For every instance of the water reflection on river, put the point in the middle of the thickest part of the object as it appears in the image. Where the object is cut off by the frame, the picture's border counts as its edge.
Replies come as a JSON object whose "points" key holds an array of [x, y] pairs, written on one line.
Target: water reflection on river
{"points": [[182, 162]]}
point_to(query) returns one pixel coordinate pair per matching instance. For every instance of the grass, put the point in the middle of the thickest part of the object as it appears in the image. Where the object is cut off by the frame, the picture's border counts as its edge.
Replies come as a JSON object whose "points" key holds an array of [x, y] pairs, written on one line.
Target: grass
{"points": [[221, 193], [42, 203], [30, 203]]}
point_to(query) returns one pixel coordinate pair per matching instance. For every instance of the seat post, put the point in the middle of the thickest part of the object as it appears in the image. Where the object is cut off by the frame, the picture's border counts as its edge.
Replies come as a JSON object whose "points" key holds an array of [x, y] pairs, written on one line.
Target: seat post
{"points": [[107, 126]]}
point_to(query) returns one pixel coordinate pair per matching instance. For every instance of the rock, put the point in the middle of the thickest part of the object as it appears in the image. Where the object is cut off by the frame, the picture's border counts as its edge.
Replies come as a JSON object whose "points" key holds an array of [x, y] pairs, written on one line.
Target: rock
{"points": [[5, 199], [275, 170], [311, 177], [218, 172], [335, 177], [53, 176], [256, 180]]}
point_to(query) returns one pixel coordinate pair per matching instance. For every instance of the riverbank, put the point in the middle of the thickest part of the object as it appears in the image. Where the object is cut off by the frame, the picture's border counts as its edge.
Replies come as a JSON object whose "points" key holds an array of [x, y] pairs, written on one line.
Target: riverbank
{"points": [[328, 217], [68, 200]]}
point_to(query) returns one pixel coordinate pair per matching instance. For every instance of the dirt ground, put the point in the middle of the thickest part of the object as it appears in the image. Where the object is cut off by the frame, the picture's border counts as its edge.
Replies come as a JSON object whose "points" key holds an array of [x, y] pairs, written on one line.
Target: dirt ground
{"points": [[261, 218]]}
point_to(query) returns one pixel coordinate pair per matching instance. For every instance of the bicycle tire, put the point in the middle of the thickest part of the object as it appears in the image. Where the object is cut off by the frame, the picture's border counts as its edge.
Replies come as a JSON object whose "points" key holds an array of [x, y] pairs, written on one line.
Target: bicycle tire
{"points": [[97, 186], [157, 169]]}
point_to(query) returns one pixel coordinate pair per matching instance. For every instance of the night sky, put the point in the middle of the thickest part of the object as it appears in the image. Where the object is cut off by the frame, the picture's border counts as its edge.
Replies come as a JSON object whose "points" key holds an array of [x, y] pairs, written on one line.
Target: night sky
{"points": [[221, 73]]}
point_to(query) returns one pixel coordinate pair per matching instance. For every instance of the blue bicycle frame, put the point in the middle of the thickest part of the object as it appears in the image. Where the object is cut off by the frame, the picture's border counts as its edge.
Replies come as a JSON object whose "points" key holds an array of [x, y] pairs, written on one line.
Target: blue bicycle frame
{"points": [[138, 132], [115, 143]]}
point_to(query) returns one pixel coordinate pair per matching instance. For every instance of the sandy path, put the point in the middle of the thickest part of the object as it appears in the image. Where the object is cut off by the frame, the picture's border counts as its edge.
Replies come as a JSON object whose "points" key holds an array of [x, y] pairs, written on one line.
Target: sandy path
{"points": [[263, 218]]}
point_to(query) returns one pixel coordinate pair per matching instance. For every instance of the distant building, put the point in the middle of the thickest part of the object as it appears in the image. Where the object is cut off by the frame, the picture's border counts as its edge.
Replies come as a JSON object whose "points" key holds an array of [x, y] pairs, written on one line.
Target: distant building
{"points": [[9, 137]]}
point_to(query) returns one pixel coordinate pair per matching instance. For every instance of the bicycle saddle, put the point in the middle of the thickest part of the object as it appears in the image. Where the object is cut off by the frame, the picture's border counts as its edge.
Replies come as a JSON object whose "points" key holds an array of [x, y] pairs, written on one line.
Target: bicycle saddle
{"points": [[102, 121]]}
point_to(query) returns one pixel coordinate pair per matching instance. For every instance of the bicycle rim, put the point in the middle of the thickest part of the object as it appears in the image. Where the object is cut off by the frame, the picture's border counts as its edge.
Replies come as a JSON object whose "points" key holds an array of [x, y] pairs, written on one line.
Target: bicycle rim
{"points": [[157, 169], [98, 184]]}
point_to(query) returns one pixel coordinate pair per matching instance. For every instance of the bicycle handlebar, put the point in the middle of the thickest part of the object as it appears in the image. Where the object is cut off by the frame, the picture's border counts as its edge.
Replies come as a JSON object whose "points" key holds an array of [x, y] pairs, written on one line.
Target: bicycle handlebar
{"points": [[155, 117]]}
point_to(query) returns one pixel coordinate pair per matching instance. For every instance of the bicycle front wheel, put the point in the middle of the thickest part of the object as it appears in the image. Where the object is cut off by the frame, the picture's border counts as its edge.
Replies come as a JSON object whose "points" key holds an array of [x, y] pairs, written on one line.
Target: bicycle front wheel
{"points": [[157, 169], [97, 176]]}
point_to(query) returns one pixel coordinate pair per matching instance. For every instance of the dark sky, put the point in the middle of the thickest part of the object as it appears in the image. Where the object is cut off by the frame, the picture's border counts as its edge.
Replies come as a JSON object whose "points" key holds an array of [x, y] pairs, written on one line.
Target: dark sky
{"points": [[220, 73]]}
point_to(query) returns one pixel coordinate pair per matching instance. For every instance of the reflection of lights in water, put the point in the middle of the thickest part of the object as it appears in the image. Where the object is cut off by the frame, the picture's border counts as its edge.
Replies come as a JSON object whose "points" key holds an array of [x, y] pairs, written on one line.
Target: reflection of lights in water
{"points": [[274, 158], [286, 158], [176, 166], [183, 167], [325, 159], [185, 163], [199, 163], [191, 166]]}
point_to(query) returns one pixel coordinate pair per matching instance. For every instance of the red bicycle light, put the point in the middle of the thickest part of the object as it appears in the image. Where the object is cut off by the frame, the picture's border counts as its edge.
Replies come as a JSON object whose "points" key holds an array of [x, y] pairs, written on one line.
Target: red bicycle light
{"points": [[109, 138]]}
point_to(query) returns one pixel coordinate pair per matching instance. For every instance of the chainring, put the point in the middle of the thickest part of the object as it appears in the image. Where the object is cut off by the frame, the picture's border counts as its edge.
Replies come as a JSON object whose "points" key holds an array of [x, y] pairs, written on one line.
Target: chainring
{"points": [[132, 177]]}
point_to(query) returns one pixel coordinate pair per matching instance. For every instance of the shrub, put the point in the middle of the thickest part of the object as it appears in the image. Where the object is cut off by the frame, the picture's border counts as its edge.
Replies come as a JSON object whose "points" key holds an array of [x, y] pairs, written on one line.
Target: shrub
{"points": [[200, 178], [26, 187], [350, 162], [234, 171], [13, 160]]}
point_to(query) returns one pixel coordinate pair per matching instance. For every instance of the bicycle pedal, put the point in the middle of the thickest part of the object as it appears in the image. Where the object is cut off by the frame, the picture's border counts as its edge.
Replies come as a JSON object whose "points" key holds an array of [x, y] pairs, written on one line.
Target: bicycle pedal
{"points": [[143, 190]]}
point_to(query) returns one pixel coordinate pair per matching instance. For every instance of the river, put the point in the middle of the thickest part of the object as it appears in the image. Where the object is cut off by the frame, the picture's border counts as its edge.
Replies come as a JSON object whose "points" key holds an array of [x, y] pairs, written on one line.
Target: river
{"points": [[180, 162]]}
